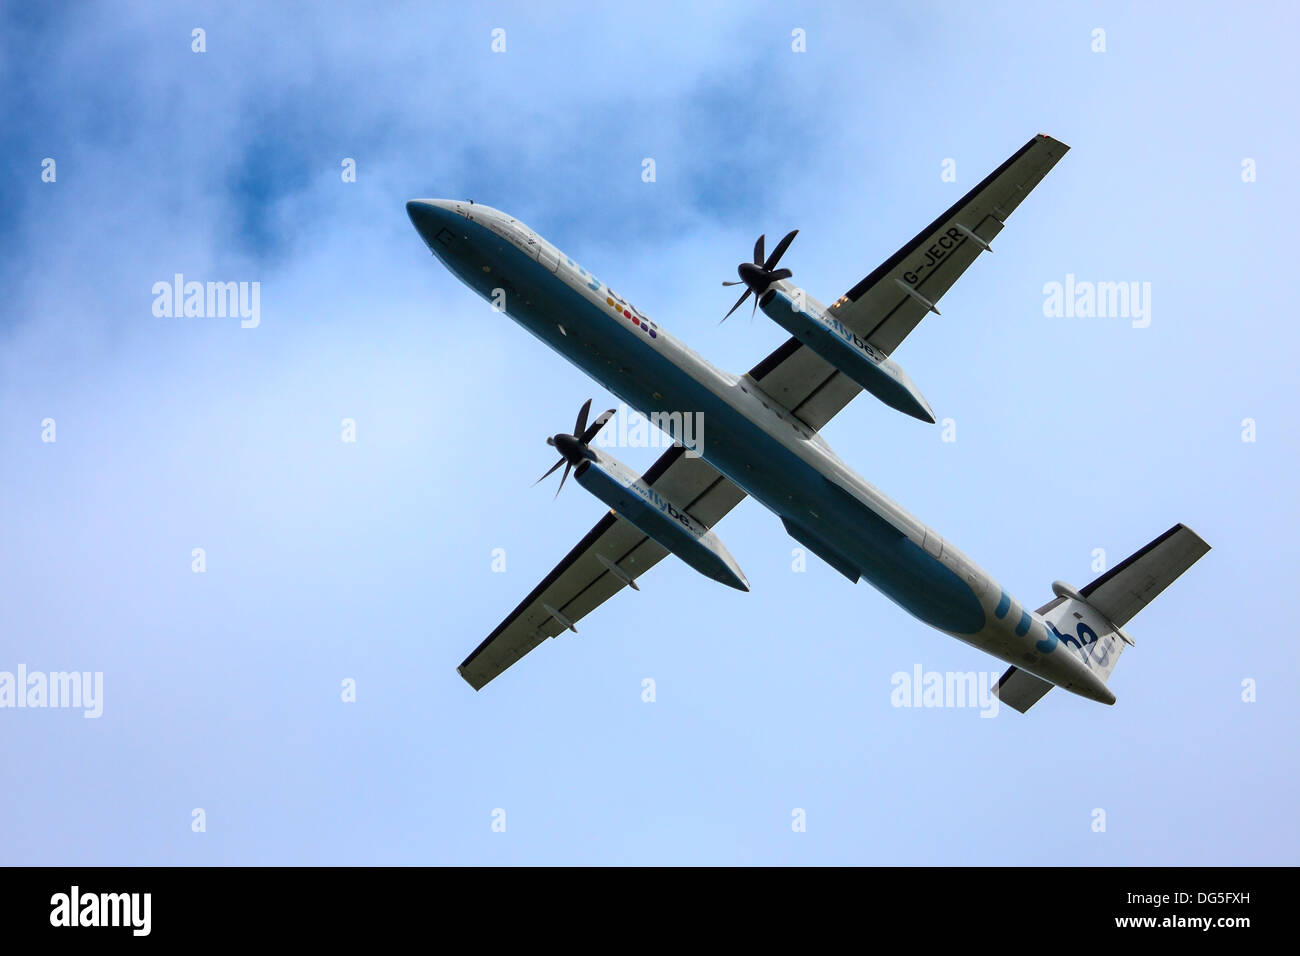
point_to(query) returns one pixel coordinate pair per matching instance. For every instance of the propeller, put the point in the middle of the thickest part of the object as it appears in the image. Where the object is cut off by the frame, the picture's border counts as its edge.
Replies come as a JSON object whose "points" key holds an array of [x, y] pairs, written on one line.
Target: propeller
{"points": [[573, 448], [756, 276]]}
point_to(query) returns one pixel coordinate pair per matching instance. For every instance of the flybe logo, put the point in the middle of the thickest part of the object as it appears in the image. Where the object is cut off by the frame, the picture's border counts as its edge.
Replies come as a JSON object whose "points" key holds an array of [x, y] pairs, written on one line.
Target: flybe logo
{"points": [[848, 335], [1092, 651], [834, 326], [616, 302], [663, 504], [1085, 636], [629, 312]]}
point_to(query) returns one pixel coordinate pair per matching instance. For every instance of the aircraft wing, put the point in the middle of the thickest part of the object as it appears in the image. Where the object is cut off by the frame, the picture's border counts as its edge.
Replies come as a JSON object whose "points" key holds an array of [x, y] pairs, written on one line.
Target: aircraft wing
{"points": [[880, 310], [586, 577], [885, 306]]}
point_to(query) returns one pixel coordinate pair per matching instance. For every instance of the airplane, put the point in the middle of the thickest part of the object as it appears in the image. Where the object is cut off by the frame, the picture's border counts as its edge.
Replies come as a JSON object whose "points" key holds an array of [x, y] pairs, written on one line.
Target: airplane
{"points": [[763, 442]]}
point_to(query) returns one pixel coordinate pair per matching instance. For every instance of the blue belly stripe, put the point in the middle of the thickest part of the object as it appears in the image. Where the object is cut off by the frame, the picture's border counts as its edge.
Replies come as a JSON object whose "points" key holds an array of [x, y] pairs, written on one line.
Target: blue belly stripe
{"points": [[1023, 627], [1004, 605]]}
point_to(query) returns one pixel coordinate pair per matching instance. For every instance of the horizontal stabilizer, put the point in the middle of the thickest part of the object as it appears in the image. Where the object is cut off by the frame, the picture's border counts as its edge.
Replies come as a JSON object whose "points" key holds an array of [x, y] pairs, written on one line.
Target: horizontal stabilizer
{"points": [[1136, 581], [1089, 622], [1020, 690]]}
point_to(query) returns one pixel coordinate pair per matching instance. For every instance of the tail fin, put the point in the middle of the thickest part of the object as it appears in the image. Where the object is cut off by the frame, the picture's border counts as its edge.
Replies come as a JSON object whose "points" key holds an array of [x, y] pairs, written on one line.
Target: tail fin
{"points": [[1091, 620]]}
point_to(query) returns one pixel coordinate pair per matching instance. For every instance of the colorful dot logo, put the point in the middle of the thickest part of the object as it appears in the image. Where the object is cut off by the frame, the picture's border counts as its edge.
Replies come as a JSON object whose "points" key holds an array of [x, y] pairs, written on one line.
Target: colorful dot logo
{"points": [[645, 325]]}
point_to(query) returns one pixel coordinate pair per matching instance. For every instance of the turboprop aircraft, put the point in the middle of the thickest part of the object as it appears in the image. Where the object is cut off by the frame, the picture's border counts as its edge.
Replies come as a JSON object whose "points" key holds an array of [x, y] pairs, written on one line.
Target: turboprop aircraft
{"points": [[762, 441]]}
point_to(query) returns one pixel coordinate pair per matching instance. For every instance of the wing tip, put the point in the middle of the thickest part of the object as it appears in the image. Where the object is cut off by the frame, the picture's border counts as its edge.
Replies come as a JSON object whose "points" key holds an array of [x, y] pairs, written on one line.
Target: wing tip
{"points": [[469, 680], [1182, 527], [1065, 147]]}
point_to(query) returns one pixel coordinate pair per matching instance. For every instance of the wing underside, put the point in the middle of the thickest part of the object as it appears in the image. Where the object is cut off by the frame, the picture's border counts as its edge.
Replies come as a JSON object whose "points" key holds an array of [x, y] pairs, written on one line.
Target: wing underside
{"points": [[612, 554], [886, 305], [891, 301]]}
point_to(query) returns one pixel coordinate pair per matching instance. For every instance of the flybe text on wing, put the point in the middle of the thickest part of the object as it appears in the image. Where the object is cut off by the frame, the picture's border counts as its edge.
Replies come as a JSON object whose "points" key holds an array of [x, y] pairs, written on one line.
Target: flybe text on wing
{"points": [[848, 335], [658, 501]]}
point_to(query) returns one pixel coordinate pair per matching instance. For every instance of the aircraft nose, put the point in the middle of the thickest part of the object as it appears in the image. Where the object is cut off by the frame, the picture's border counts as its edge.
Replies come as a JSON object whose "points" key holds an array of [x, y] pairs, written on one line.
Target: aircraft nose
{"points": [[428, 216]]}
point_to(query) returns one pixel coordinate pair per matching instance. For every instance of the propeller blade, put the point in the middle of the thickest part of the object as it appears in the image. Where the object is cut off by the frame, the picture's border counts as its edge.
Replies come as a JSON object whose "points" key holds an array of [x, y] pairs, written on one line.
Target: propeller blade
{"points": [[595, 427], [779, 251], [734, 282], [758, 250], [781, 274], [739, 302], [563, 477], [581, 424], [550, 472]]}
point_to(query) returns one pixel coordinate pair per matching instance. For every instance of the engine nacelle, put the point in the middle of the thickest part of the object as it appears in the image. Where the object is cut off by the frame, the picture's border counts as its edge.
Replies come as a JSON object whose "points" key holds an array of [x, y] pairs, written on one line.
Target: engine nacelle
{"points": [[665, 521], [846, 350]]}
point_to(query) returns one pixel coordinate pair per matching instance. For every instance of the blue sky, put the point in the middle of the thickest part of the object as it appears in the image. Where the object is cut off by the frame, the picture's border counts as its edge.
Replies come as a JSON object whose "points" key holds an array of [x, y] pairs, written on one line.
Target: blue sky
{"points": [[371, 561]]}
